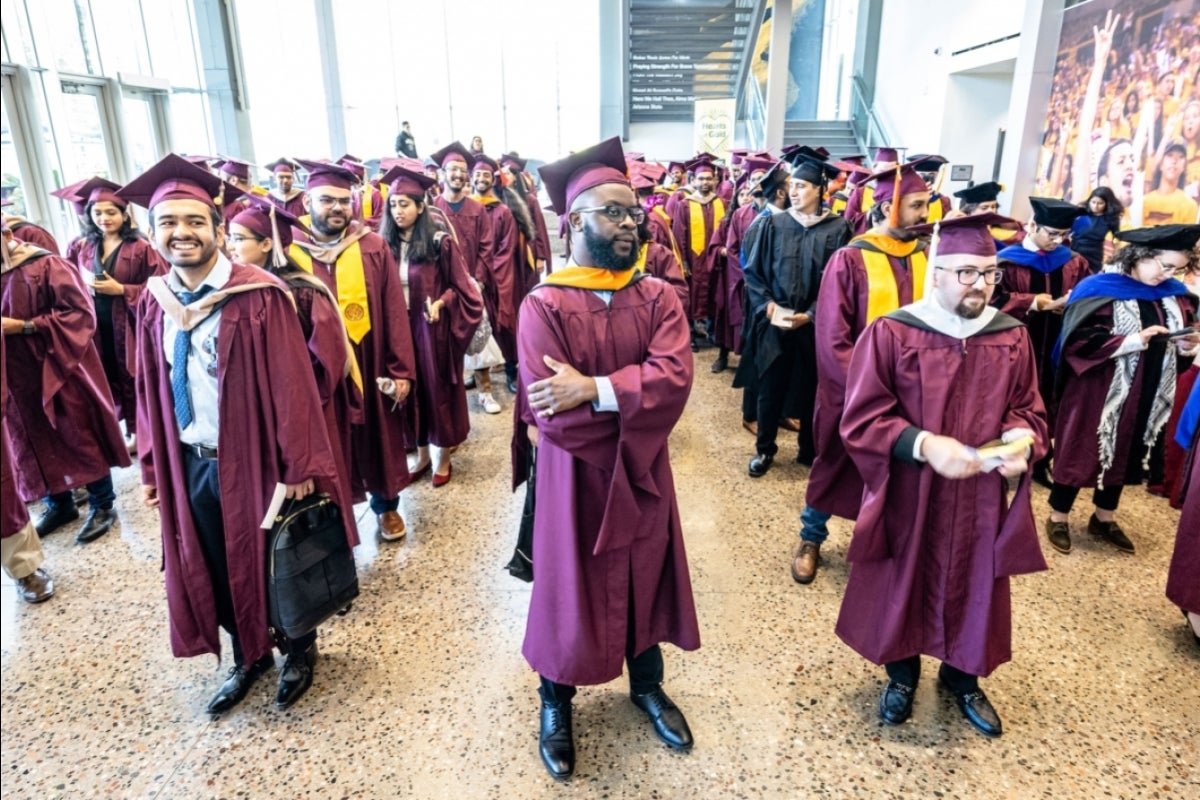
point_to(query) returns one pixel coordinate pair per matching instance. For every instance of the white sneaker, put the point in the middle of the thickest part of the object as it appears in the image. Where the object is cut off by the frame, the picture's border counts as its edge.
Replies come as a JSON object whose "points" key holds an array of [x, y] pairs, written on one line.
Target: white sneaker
{"points": [[489, 403]]}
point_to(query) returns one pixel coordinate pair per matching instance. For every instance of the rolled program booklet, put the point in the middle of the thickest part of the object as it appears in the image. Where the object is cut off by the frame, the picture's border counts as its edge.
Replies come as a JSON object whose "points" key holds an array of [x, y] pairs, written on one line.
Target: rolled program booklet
{"points": [[994, 452]]}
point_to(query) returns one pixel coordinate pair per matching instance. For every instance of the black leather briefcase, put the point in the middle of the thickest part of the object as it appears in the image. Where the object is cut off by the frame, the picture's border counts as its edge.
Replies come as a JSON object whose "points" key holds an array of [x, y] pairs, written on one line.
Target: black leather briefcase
{"points": [[310, 566]]}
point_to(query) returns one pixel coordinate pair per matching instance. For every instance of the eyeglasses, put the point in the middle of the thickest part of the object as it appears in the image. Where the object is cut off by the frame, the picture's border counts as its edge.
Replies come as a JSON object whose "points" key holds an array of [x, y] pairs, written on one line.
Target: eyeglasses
{"points": [[1169, 269], [1053, 235], [617, 214], [235, 239], [330, 202], [967, 276]]}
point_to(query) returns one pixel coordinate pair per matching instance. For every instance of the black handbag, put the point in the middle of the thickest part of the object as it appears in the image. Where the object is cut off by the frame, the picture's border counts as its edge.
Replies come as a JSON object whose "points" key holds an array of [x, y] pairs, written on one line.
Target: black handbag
{"points": [[310, 566]]}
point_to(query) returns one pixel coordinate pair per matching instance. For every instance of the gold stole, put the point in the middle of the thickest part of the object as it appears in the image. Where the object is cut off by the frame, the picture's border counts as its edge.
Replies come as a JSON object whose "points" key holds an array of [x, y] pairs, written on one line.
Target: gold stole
{"points": [[351, 287], [367, 205], [883, 296], [696, 231], [596, 279], [640, 266], [935, 211]]}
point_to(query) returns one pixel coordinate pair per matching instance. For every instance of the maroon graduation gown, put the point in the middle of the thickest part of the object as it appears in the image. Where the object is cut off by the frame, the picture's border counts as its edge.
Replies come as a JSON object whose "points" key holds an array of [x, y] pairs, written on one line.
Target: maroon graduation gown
{"points": [[858, 217], [13, 514], [439, 416], [476, 237], [931, 557], [25, 231], [136, 262], [1183, 578], [606, 526], [662, 264], [294, 204], [735, 279], [1015, 295], [1085, 372], [232, 209], [266, 437], [498, 277], [696, 265], [716, 256], [660, 231], [341, 398], [377, 206], [60, 420], [833, 482], [386, 351]]}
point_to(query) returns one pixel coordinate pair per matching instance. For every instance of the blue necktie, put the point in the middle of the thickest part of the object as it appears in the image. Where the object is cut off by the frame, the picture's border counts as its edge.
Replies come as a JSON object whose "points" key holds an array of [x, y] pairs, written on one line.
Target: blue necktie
{"points": [[179, 371]]}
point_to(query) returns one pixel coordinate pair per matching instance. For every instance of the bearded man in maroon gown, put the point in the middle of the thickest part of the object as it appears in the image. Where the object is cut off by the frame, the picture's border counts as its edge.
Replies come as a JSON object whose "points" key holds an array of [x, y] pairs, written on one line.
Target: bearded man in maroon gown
{"points": [[694, 219], [500, 276], [357, 266], [228, 409], [605, 372], [285, 193], [938, 536]]}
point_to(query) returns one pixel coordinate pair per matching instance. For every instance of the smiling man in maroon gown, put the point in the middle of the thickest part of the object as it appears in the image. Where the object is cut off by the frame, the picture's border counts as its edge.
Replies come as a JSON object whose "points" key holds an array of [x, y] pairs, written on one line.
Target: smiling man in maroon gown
{"points": [[605, 362], [937, 537], [228, 409]]}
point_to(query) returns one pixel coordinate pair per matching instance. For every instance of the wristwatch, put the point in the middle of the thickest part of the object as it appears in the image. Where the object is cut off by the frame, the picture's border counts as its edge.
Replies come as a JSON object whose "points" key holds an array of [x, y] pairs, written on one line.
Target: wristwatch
{"points": [[27, 327]]}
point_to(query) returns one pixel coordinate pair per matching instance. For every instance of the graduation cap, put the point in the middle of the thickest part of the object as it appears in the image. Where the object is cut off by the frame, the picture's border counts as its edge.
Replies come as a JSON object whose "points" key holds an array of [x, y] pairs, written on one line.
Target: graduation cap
{"points": [[282, 165], [772, 179], [752, 164], [324, 173], [702, 162], [886, 155], [203, 161], [1180, 238], [633, 155], [737, 155], [966, 235], [594, 166], [175, 178], [96, 190], [453, 152], [980, 193], [69, 193], [354, 165], [405, 180], [674, 165], [1053, 213], [811, 165], [235, 168], [513, 161], [269, 221], [896, 182], [413, 164], [486, 162], [927, 162]]}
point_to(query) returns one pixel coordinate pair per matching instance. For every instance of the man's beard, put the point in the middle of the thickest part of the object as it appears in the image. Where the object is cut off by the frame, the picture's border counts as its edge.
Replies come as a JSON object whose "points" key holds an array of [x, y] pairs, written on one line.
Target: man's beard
{"points": [[603, 254], [967, 312], [321, 225]]}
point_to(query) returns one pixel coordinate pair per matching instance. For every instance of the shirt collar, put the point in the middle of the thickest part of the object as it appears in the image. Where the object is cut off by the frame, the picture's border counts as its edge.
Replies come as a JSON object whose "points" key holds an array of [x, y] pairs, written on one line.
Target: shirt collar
{"points": [[217, 277], [946, 322]]}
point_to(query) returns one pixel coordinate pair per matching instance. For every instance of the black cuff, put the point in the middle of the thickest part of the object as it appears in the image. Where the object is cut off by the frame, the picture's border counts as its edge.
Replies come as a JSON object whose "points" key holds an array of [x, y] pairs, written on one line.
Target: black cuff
{"points": [[902, 450]]}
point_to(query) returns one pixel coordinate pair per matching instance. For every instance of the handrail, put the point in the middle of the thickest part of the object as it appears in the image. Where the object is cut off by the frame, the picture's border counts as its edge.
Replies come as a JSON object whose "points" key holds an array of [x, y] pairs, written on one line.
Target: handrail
{"points": [[863, 119], [755, 25], [756, 112]]}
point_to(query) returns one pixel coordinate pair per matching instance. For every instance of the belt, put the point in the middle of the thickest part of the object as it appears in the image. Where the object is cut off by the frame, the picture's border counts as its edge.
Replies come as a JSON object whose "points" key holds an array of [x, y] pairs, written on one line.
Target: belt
{"points": [[200, 451]]}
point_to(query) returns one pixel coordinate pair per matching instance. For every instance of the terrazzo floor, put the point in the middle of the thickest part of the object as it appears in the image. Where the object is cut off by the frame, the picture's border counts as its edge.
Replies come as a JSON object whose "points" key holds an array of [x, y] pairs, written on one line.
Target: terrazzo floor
{"points": [[421, 691]]}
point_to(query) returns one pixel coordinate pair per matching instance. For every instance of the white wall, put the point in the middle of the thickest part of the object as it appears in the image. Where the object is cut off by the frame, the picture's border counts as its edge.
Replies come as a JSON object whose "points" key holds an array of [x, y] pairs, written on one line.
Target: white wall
{"points": [[915, 59], [976, 108], [661, 141]]}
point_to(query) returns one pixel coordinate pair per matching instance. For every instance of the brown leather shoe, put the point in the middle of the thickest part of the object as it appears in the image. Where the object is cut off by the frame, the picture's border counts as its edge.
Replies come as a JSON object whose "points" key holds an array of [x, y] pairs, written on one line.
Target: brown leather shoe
{"points": [[391, 526], [750, 426], [1059, 535], [37, 587], [806, 561], [789, 424]]}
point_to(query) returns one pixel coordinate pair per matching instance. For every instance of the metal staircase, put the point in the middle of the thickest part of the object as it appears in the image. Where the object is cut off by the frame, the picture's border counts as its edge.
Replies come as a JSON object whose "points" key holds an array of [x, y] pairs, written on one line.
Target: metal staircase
{"points": [[836, 136]]}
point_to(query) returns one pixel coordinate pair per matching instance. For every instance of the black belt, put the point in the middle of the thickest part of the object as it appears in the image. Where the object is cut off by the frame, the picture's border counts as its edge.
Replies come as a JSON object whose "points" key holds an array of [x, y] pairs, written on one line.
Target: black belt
{"points": [[200, 451]]}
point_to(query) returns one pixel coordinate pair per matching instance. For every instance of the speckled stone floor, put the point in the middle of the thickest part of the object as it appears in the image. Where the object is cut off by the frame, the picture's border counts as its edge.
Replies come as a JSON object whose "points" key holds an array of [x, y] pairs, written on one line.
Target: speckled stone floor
{"points": [[421, 691]]}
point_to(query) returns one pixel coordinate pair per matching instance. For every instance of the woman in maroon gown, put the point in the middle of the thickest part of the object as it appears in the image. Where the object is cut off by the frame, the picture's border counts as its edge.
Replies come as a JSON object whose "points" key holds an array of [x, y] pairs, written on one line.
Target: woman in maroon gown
{"points": [[1117, 373], [446, 309], [116, 261]]}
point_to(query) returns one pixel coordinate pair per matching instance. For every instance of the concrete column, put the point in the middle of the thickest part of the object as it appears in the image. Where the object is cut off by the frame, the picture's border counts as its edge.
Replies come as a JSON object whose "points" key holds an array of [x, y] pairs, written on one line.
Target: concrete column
{"points": [[777, 73], [1032, 78], [220, 57], [327, 42]]}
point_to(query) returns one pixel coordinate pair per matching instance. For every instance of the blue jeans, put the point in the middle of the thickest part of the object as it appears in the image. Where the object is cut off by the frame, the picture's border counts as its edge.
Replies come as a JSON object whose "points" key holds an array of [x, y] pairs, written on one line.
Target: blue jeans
{"points": [[101, 495], [812, 525], [381, 504]]}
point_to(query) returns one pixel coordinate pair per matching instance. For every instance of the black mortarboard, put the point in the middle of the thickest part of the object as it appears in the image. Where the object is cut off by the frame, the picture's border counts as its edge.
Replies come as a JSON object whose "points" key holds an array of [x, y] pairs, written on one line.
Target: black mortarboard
{"points": [[1053, 213], [1176, 237], [980, 193]]}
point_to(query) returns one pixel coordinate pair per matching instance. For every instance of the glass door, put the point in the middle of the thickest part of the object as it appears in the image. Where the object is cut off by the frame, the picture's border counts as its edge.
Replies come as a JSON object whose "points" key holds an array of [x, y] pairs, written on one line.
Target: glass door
{"points": [[12, 184], [144, 130], [86, 138]]}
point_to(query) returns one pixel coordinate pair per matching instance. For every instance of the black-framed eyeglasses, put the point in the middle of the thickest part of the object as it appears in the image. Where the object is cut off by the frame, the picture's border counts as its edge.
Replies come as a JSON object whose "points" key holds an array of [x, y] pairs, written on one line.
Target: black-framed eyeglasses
{"points": [[616, 214], [1054, 235], [967, 276]]}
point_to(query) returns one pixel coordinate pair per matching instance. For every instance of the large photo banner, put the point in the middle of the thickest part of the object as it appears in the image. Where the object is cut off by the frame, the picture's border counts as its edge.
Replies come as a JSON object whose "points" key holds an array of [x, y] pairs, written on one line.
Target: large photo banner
{"points": [[1125, 110]]}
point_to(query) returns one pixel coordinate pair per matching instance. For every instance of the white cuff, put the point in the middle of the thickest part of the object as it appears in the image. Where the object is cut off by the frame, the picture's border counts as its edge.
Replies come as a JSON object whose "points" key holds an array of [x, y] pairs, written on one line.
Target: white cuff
{"points": [[1132, 344], [921, 437], [606, 398]]}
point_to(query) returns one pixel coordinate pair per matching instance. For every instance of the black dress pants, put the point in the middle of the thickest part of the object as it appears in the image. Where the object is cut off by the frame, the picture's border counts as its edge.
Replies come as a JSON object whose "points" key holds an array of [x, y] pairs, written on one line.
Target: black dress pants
{"points": [[795, 370], [204, 500], [908, 672], [645, 674]]}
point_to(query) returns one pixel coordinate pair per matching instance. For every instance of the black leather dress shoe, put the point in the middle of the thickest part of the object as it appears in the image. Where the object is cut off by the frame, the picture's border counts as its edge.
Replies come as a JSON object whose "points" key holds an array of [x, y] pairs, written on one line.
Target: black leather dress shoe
{"points": [[979, 712], [759, 465], [556, 743], [295, 677], [511, 385], [1110, 532], [53, 519], [99, 521], [238, 684], [79, 495], [669, 723], [721, 364], [895, 705]]}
